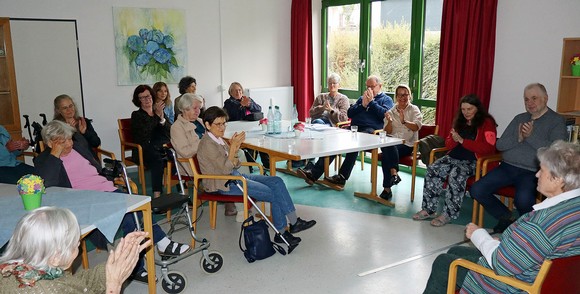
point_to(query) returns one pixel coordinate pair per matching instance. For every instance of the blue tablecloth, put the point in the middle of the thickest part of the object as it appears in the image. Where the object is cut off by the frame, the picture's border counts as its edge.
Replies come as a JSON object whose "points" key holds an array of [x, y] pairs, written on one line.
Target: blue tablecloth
{"points": [[101, 209]]}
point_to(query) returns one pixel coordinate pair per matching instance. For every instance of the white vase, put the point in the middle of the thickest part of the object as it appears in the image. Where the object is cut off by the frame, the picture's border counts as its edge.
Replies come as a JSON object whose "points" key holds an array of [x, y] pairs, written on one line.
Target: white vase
{"points": [[264, 127], [297, 133]]}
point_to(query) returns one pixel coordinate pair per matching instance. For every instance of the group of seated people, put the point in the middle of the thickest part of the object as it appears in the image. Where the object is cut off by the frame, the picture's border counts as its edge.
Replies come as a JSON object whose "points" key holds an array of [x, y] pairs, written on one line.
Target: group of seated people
{"points": [[69, 161]]}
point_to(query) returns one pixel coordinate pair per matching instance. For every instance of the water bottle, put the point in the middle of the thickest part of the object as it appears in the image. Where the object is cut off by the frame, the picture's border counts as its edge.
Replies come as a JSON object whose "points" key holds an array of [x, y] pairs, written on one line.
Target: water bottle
{"points": [[270, 121], [294, 116], [277, 120]]}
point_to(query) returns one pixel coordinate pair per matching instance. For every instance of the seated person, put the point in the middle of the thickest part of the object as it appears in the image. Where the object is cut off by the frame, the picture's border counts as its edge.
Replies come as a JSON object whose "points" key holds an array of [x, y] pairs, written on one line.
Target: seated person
{"points": [[187, 84], [549, 231], [330, 108], [217, 157], [11, 170], [186, 133], [66, 111], [473, 135], [45, 243], [402, 121], [150, 129], [65, 163], [368, 113], [239, 107], [162, 94], [538, 127]]}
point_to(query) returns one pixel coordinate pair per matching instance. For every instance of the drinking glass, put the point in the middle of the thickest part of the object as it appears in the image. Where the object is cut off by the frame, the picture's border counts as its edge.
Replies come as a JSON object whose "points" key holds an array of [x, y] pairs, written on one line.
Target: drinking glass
{"points": [[382, 135], [354, 129], [309, 123]]}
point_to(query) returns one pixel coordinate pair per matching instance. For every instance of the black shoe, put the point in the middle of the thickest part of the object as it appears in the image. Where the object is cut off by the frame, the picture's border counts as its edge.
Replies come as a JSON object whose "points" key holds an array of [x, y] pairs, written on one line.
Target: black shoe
{"points": [[387, 195], [289, 238], [306, 174], [338, 180], [502, 225], [298, 163], [301, 225], [395, 179], [141, 276], [309, 165]]}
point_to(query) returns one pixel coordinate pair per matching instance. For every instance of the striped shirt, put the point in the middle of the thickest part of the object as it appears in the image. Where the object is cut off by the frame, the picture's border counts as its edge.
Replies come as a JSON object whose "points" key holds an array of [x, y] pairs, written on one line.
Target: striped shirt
{"points": [[547, 233]]}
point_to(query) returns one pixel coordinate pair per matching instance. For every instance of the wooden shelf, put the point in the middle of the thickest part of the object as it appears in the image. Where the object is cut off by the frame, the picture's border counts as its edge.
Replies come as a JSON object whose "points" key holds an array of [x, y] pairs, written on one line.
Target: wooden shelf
{"points": [[9, 110], [569, 88]]}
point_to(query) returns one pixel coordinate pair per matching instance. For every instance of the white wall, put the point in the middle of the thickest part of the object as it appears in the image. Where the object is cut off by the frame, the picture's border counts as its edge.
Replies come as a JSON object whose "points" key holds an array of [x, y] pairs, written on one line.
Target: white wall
{"points": [[529, 49], [246, 41]]}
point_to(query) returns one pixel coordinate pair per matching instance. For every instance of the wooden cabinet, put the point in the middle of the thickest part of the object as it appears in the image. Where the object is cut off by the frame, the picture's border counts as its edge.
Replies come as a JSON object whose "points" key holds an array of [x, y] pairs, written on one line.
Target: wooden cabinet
{"points": [[569, 89], [9, 113]]}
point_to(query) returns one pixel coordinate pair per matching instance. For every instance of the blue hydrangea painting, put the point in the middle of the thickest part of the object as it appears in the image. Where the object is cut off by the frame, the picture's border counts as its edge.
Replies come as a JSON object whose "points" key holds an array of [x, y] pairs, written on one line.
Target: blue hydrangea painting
{"points": [[150, 45]]}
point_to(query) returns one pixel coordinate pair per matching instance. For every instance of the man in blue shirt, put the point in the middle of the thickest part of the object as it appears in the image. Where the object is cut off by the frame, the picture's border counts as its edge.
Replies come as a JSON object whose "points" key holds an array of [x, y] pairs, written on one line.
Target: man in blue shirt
{"points": [[368, 115], [11, 169]]}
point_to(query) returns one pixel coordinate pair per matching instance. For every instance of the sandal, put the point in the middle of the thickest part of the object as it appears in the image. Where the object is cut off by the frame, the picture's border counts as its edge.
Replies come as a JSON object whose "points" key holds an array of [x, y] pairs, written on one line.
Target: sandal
{"points": [[173, 249], [441, 220], [423, 215], [230, 209]]}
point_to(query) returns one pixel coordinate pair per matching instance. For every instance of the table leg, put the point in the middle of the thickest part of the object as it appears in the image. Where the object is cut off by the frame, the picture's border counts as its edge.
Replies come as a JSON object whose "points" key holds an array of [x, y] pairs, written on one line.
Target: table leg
{"points": [[149, 254], [373, 196]]}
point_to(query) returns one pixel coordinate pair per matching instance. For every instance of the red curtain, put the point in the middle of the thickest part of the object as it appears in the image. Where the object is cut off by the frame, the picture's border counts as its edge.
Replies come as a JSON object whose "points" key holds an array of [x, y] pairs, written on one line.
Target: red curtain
{"points": [[301, 55], [466, 55]]}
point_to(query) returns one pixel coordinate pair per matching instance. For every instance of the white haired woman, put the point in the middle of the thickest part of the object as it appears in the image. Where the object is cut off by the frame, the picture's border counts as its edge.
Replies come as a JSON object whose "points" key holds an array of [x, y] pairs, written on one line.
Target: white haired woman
{"points": [[45, 242], [330, 108], [549, 231]]}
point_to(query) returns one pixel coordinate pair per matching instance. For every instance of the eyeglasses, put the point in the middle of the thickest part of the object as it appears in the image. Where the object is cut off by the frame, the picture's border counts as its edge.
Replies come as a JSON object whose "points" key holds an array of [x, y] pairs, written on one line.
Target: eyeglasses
{"points": [[403, 95], [70, 106], [145, 97], [220, 125]]}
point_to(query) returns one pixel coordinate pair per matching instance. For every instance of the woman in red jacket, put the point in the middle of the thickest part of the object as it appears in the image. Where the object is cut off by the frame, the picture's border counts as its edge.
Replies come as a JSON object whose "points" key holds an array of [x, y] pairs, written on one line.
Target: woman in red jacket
{"points": [[473, 135]]}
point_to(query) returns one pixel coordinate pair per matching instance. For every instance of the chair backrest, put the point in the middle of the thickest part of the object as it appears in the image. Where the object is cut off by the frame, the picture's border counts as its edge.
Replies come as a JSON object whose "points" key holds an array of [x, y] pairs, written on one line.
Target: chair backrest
{"points": [[564, 276], [125, 134], [427, 130], [196, 169]]}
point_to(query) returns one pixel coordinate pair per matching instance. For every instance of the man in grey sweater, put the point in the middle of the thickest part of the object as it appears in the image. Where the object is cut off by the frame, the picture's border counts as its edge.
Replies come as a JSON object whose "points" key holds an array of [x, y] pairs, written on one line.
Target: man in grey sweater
{"points": [[538, 127]]}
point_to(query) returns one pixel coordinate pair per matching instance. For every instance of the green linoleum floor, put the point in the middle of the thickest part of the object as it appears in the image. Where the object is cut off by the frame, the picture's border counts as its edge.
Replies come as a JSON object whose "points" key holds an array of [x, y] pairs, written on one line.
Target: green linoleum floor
{"points": [[321, 196]]}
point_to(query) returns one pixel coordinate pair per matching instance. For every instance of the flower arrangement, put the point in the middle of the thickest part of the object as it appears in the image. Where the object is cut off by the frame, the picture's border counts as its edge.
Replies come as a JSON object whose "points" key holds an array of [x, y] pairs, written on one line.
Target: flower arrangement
{"points": [[263, 121], [151, 52], [299, 127], [30, 184], [575, 60]]}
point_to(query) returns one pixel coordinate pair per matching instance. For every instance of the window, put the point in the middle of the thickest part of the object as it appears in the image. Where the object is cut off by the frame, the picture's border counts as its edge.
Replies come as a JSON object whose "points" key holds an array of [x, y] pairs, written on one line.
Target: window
{"points": [[397, 40]]}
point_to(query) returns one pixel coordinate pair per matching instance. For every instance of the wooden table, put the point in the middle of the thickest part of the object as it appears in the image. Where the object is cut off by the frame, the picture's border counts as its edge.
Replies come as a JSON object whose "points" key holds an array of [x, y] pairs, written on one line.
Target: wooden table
{"points": [[93, 209], [312, 144]]}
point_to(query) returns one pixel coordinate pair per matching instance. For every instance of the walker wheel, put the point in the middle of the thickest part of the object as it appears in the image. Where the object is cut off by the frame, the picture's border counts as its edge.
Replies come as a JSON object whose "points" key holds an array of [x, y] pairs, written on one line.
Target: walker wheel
{"points": [[214, 257], [179, 282]]}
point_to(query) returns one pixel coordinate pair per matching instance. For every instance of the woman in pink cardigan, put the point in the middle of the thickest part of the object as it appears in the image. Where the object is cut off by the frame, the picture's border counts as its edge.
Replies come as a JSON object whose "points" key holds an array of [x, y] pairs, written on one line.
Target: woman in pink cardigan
{"points": [[473, 135]]}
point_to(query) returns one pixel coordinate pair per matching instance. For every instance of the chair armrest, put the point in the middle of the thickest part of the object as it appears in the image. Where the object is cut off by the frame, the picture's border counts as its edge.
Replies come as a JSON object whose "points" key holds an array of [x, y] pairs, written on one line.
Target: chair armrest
{"points": [[133, 145], [488, 160], [254, 164], [107, 153], [436, 150], [343, 124]]}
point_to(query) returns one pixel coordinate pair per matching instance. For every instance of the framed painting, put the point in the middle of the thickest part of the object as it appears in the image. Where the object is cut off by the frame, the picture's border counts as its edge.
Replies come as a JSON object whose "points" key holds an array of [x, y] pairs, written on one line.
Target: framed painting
{"points": [[150, 45]]}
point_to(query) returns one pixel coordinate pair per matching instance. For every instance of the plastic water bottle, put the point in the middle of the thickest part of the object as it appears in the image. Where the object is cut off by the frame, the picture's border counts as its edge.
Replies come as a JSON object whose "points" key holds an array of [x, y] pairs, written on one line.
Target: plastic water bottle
{"points": [[277, 120], [270, 121], [294, 116]]}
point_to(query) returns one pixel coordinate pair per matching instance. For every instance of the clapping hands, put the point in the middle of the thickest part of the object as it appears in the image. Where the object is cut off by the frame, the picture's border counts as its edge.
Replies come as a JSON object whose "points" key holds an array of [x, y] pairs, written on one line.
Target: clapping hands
{"points": [[123, 258], [456, 137], [525, 130]]}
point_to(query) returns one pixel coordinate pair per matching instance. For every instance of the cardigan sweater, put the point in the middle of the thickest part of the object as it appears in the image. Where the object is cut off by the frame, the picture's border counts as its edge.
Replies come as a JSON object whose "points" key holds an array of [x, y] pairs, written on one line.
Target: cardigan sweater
{"points": [[484, 143], [339, 105], [213, 159], [184, 139]]}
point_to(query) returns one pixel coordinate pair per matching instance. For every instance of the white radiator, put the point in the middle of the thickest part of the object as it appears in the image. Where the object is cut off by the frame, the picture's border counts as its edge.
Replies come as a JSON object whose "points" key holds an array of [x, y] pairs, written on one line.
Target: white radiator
{"points": [[281, 96]]}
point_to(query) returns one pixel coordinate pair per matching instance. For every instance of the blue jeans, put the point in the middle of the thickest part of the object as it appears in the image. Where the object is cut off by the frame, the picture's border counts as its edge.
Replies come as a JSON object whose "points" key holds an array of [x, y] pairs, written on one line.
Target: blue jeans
{"points": [[128, 224], [322, 121], [505, 174], [269, 189], [390, 159]]}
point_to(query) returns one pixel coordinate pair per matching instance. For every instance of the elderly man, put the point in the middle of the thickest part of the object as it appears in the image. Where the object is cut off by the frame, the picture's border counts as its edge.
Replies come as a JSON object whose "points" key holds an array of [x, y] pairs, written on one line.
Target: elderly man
{"points": [[538, 127], [368, 114], [11, 169], [330, 108]]}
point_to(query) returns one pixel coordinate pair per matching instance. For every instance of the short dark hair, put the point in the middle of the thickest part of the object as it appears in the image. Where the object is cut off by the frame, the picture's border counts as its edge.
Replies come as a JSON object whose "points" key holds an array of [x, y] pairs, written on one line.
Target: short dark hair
{"points": [[213, 113], [140, 89], [185, 82]]}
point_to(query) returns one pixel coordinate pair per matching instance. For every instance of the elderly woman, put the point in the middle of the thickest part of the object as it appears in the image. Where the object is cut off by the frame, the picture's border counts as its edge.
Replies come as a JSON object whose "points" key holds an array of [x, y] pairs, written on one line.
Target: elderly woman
{"points": [[65, 110], [150, 128], [238, 106], [402, 121], [46, 242], [187, 84], [473, 135], [216, 156], [549, 231], [162, 94], [330, 108], [65, 163]]}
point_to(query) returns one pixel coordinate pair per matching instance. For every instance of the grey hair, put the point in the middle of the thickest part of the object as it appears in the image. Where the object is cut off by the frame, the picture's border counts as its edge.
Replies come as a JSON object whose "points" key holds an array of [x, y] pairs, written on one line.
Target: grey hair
{"points": [[42, 234], [376, 78], [562, 159], [57, 101], [538, 86], [333, 77], [187, 99], [57, 129]]}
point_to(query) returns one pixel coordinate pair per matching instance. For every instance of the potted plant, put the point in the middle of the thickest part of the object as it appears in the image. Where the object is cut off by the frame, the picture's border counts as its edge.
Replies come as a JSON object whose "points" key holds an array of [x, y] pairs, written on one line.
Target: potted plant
{"points": [[30, 187], [298, 128], [575, 65], [264, 123]]}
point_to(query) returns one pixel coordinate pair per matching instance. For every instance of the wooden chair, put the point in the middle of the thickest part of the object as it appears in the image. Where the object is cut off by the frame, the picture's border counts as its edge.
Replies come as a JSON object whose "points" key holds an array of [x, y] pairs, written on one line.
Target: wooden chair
{"points": [[127, 144], [555, 276], [200, 195]]}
